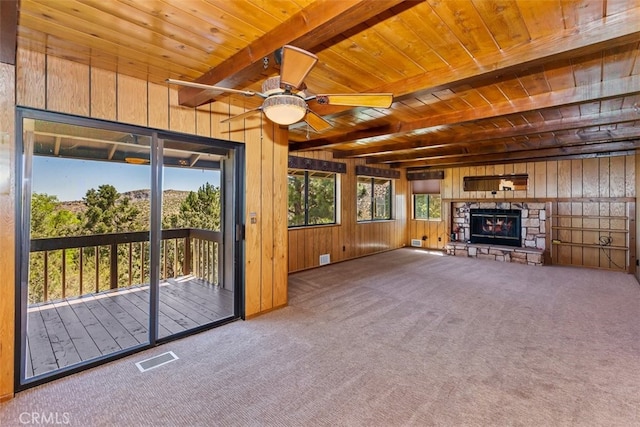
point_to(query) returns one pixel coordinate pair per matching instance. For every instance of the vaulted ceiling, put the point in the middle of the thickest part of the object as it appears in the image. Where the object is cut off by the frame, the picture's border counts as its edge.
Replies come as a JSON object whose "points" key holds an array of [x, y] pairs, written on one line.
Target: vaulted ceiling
{"points": [[474, 81]]}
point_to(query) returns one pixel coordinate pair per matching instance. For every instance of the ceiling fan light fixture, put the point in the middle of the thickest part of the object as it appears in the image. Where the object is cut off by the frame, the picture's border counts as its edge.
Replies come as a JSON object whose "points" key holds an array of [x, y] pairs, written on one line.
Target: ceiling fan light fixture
{"points": [[284, 109]]}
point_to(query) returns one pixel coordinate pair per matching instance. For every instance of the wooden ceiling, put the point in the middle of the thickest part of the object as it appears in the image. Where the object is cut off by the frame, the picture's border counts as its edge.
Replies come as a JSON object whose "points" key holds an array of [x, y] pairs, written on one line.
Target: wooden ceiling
{"points": [[474, 81]]}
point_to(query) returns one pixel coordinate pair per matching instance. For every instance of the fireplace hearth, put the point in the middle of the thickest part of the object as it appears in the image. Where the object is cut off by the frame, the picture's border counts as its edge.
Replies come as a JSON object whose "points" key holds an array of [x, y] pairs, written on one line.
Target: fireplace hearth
{"points": [[496, 226]]}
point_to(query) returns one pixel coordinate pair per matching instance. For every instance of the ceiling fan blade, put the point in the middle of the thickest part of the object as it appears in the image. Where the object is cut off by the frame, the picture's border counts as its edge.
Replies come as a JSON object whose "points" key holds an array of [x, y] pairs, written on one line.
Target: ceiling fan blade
{"points": [[376, 100], [316, 121], [296, 64], [242, 115], [209, 87]]}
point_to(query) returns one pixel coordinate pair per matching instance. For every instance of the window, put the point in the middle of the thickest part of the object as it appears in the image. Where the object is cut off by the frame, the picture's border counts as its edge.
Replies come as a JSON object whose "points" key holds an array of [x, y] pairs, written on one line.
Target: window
{"points": [[312, 198], [426, 206], [426, 199], [373, 199]]}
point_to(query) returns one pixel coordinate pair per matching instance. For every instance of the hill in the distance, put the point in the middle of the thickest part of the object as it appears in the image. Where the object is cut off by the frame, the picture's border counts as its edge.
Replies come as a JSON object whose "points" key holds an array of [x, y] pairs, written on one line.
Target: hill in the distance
{"points": [[171, 200]]}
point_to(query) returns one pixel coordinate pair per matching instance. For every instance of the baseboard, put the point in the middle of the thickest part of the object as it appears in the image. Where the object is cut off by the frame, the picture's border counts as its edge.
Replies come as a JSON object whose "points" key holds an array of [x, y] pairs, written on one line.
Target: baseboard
{"points": [[6, 397], [253, 316]]}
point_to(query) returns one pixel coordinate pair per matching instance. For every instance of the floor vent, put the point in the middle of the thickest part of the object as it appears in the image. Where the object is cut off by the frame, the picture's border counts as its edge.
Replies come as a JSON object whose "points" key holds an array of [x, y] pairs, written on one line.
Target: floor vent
{"points": [[325, 259], [155, 361], [416, 243]]}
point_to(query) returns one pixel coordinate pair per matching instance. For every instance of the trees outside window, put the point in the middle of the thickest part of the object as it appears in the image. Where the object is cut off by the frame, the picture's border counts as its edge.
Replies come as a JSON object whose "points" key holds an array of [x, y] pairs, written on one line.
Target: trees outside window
{"points": [[373, 199], [312, 198], [427, 206]]}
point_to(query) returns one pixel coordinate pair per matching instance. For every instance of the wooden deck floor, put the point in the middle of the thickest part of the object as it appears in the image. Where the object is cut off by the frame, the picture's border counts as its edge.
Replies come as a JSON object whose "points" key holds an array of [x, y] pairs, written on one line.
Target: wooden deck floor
{"points": [[73, 330]]}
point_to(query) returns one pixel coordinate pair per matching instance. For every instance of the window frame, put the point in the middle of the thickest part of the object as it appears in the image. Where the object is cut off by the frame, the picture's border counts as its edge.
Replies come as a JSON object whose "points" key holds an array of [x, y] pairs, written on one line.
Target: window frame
{"points": [[307, 175], [372, 213], [427, 218]]}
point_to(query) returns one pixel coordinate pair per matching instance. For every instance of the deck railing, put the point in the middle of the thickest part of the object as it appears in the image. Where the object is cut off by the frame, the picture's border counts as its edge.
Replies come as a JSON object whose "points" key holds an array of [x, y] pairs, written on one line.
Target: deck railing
{"points": [[63, 267]]}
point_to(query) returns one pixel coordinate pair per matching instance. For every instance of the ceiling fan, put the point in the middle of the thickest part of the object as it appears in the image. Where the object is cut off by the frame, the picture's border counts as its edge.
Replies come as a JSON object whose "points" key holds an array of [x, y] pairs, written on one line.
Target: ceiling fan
{"points": [[285, 101]]}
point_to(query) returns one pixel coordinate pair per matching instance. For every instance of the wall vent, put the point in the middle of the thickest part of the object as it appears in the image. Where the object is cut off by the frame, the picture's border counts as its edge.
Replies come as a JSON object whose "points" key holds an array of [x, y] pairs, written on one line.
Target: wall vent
{"points": [[416, 243], [325, 259]]}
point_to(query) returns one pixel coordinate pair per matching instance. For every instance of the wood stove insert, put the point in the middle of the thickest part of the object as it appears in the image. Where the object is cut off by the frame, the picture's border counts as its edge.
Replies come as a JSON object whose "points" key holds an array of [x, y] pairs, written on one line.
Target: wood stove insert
{"points": [[496, 226]]}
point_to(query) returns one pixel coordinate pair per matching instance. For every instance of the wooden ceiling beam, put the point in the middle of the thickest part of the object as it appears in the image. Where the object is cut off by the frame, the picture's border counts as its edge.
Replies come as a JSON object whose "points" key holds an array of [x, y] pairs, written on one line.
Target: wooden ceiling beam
{"points": [[317, 23], [434, 140], [587, 93], [504, 146], [523, 156]]}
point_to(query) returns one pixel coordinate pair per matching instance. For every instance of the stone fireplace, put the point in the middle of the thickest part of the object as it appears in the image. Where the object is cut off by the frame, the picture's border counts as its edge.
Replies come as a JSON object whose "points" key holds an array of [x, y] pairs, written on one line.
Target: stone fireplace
{"points": [[504, 231]]}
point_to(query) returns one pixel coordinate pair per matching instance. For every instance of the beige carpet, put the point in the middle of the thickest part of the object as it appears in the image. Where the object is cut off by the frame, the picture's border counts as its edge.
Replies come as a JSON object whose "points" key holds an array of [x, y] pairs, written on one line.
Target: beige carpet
{"points": [[399, 338]]}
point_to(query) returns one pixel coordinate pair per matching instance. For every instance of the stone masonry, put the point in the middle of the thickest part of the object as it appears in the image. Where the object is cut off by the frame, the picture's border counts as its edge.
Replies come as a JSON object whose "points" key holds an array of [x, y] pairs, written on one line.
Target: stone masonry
{"points": [[533, 233]]}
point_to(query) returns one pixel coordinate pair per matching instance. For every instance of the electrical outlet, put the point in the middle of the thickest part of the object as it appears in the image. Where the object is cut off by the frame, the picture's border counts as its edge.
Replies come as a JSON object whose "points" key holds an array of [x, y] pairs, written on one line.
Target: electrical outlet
{"points": [[439, 239]]}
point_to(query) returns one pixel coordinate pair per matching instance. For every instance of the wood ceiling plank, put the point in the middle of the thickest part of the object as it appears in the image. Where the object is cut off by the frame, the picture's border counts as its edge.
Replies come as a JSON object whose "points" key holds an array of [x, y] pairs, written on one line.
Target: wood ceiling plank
{"points": [[403, 38], [333, 62], [611, 105], [570, 111], [618, 6], [95, 23], [588, 70], [551, 114], [282, 8], [310, 27], [580, 12], [260, 16], [463, 20], [245, 28], [542, 19], [512, 87], [534, 81], [211, 43], [490, 92], [559, 74], [470, 95], [225, 38], [589, 108], [435, 34], [620, 61], [366, 48], [503, 19]]}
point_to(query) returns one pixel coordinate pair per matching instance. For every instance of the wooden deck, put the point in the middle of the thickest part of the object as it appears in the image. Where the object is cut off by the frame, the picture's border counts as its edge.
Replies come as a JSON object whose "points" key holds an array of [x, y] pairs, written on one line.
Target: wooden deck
{"points": [[65, 332]]}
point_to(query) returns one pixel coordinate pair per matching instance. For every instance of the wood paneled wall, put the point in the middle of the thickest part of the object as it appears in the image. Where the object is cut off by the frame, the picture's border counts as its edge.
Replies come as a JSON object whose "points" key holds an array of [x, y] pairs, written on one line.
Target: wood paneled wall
{"points": [[55, 84], [579, 190], [604, 177], [348, 239], [7, 229]]}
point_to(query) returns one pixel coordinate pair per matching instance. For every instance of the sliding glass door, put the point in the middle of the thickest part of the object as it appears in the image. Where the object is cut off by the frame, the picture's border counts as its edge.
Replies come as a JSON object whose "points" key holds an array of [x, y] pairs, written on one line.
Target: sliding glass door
{"points": [[191, 288], [127, 239]]}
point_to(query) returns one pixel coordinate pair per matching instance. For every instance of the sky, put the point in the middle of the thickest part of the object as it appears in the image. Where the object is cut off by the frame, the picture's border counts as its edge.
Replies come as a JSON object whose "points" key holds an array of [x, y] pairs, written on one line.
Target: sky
{"points": [[69, 179]]}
